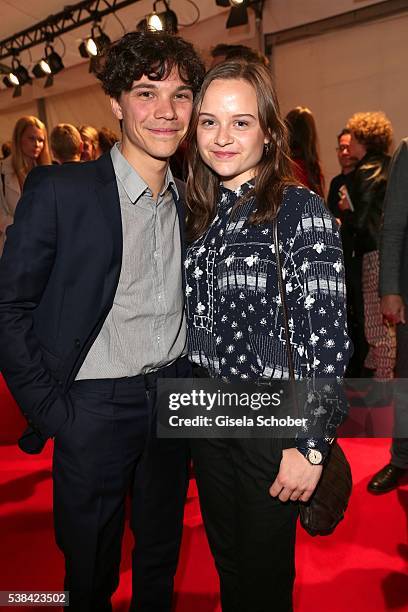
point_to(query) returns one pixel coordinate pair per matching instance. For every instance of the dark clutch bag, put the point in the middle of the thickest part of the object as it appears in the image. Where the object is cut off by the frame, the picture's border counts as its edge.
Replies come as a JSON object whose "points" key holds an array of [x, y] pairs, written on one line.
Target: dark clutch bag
{"points": [[328, 504], [326, 508]]}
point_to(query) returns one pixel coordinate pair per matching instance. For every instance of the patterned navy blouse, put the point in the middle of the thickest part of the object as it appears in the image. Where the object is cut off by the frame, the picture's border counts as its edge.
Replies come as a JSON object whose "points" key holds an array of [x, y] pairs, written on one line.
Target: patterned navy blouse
{"points": [[235, 323]]}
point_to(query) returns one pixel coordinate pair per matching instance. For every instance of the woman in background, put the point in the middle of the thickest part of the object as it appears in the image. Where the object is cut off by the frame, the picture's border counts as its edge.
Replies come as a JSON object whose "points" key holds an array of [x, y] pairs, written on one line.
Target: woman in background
{"points": [[304, 147], [29, 148], [107, 139], [239, 183], [90, 138], [371, 138]]}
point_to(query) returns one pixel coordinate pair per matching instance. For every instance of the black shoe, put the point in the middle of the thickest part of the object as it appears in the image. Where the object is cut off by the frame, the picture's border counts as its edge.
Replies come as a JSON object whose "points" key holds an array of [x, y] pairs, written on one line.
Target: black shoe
{"points": [[386, 479]]}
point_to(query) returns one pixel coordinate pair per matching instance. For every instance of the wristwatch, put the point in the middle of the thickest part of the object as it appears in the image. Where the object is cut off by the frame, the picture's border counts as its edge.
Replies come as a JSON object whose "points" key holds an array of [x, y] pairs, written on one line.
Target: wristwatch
{"points": [[314, 456]]}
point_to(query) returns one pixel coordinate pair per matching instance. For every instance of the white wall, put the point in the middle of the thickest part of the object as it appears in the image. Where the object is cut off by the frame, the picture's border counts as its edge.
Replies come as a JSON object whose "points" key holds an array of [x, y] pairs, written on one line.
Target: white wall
{"points": [[284, 14], [9, 117], [360, 68]]}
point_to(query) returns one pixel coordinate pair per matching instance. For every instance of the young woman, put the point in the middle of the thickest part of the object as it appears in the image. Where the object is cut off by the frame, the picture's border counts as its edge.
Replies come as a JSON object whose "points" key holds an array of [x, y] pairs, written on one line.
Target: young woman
{"points": [[90, 138], [371, 139], [29, 148], [303, 143], [239, 182]]}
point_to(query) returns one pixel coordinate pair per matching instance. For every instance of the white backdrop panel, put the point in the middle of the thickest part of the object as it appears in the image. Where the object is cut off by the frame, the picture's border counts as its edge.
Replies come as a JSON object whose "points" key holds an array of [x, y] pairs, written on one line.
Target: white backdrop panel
{"points": [[8, 118], [361, 68], [87, 106]]}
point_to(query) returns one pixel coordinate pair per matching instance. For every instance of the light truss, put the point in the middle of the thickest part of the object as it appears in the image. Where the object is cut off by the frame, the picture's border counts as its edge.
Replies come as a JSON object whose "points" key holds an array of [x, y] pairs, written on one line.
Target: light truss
{"points": [[70, 18]]}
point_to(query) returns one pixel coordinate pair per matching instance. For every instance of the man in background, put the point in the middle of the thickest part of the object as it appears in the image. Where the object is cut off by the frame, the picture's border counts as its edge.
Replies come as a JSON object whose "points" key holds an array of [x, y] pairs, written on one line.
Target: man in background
{"points": [[347, 165], [394, 300], [223, 53], [66, 143]]}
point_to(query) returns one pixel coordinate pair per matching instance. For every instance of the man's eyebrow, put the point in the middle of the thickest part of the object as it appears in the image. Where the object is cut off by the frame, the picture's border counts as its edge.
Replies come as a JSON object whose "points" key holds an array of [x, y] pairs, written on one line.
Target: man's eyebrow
{"points": [[143, 86], [154, 86]]}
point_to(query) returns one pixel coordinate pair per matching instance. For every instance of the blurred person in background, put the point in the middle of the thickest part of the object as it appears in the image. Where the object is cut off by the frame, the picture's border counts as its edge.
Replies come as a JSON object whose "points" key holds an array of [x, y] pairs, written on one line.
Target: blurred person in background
{"points": [[29, 149], [304, 148], [66, 143], [107, 139], [394, 297], [347, 165], [223, 52], [337, 188], [6, 149], [90, 138], [371, 138]]}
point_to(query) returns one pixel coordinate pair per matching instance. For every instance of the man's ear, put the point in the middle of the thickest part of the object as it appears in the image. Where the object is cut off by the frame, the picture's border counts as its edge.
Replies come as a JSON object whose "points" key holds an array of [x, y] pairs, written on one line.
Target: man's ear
{"points": [[116, 108]]}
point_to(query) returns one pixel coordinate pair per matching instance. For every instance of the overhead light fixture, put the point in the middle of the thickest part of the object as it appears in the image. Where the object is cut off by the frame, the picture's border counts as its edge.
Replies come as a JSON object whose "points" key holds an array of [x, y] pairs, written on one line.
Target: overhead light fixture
{"points": [[238, 14], [11, 80], [41, 69], [95, 43], [165, 21], [17, 77], [50, 64]]}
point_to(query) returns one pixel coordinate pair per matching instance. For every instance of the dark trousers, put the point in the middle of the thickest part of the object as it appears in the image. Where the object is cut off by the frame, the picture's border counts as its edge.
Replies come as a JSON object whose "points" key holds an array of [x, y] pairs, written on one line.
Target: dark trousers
{"points": [[251, 534], [399, 448], [107, 448], [355, 316]]}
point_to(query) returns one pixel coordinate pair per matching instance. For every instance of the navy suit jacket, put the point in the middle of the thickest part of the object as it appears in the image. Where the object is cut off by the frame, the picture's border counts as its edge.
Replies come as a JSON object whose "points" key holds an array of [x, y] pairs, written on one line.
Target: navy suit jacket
{"points": [[58, 278]]}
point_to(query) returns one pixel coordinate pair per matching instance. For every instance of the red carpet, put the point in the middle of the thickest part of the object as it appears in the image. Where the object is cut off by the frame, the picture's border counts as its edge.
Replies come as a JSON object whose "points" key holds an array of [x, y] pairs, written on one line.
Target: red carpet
{"points": [[362, 567]]}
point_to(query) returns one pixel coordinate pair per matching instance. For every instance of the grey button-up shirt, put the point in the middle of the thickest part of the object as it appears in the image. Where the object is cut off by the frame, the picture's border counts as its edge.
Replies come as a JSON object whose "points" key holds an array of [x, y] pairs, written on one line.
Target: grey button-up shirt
{"points": [[145, 328]]}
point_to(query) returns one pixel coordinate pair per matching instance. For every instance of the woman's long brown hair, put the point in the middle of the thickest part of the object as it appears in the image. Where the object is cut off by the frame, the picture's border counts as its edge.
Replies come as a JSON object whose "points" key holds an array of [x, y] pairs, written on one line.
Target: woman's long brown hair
{"points": [[274, 169], [303, 142]]}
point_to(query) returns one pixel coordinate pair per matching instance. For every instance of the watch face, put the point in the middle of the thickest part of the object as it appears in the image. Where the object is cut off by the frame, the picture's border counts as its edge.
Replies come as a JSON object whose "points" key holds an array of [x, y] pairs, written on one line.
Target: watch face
{"points": [[315, 457]]}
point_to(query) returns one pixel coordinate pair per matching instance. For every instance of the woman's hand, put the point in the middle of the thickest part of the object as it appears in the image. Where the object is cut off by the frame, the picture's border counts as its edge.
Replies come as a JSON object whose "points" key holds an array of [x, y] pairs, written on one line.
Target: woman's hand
{"points": [[393, 309], [297, 478]]}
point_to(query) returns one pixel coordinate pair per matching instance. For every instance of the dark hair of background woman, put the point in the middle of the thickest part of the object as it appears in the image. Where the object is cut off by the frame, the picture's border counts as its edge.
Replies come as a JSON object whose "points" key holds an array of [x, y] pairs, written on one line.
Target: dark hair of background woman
{"points": [[304, 145], [274, 170]]}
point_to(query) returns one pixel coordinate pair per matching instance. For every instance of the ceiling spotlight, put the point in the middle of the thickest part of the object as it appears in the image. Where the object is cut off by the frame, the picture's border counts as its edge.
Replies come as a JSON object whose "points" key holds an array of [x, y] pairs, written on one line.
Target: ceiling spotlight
{"points": [[21, 73], [158, 22], [51, 63], [17, 77], [154, 22], [95, 44], [11, 80], [41, 69], [238, 14]]}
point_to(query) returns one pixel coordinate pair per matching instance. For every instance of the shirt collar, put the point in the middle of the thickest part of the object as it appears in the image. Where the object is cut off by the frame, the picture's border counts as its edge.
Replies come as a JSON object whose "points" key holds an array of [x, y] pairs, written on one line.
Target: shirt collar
{"points": [[131, 180]]}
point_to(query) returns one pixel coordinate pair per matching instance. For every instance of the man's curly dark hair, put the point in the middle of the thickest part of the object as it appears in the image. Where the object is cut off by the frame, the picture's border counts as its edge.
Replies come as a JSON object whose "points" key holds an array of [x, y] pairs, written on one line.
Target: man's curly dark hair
{"points": [[153, 54]]}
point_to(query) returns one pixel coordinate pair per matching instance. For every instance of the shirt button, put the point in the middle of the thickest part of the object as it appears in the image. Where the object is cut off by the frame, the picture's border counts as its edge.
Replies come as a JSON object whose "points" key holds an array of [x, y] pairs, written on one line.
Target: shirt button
{"points": [[155, 255], [158, 338]]}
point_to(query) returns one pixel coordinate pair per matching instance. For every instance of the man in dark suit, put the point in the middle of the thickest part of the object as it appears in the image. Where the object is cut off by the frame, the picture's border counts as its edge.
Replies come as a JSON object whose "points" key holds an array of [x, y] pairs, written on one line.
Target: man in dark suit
{"points": [[91, 315], [394, 300]]}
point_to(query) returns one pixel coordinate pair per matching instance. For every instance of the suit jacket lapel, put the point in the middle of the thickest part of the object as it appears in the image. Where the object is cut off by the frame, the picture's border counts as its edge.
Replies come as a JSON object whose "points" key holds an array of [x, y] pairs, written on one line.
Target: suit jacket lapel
{"points": [[181, 212], [108, 197]]}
